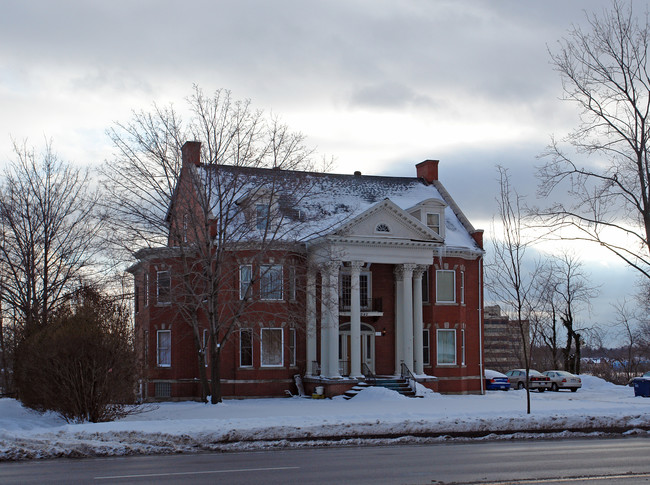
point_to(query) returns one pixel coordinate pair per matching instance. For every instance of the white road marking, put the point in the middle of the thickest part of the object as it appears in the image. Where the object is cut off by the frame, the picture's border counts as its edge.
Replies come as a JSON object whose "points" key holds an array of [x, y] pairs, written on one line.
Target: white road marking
{"points": [[207, 472]]}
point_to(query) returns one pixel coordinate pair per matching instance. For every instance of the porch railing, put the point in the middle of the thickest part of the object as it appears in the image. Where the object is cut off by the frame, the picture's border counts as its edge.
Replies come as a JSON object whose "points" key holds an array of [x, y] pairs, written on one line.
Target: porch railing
{"points": [[408, 375], [370, 305], [371, 378]]}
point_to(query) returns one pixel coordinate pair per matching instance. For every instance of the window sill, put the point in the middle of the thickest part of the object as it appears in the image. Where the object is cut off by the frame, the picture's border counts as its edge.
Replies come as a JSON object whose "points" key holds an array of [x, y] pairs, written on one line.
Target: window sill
{"points": [[281, 366]]}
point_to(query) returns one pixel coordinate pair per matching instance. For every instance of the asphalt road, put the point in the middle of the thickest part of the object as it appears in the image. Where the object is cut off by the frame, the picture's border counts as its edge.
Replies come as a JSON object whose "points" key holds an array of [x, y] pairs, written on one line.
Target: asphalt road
{"points": [[593, 461]]}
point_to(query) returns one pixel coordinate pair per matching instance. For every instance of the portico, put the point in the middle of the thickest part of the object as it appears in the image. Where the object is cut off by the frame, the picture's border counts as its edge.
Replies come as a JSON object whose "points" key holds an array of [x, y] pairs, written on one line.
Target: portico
{"points": [[342, 267]]}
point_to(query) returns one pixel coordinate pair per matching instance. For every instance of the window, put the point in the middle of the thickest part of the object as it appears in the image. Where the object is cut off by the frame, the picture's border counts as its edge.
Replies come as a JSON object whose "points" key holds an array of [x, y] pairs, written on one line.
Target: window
{"points": [[433, 222], [163, 389], [292, 283], [245, 278], [382, 227], [445, 286], [164, 348], [262, 216], [164, 287], [446, 346], [425, 286], [245, 347], [136, 299], [186, 218], [146, 289], [426, 347], [346, 290], [146, 346], [292, 347], [272, 347], [462, 287], [462, 347], [271, 282]]}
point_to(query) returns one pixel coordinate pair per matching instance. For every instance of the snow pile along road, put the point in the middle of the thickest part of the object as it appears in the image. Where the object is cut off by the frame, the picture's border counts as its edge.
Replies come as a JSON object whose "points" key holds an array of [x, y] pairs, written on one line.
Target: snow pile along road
{"points": [[375, 415]]}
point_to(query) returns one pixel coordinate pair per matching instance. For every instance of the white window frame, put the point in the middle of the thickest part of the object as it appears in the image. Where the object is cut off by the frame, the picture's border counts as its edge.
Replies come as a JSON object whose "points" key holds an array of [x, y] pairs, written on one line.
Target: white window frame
{"points": [[146, 289], [248, 331], [447, 331], [264, 331], [242, 282], [439, 272], [462, 287], [169, 276], [262, 214], [292, 283], [265, 271], [462, 346], [292, 347], [163, 360], [344, 286], [186, 218]]}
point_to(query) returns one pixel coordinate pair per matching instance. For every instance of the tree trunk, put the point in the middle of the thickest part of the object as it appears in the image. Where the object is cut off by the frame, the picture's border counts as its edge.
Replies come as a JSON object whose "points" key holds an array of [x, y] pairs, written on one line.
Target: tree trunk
{"points": [[576, 360], [215, 383]]}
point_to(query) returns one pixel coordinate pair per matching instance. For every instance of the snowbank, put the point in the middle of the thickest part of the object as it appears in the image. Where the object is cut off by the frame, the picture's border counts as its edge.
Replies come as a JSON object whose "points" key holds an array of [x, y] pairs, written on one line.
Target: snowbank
{"points": [[374, 415]]}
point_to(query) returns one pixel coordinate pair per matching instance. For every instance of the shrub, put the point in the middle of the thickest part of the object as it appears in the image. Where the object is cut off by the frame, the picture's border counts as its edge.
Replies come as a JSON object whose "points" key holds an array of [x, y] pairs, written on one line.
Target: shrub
{"points": [[82, 365]]}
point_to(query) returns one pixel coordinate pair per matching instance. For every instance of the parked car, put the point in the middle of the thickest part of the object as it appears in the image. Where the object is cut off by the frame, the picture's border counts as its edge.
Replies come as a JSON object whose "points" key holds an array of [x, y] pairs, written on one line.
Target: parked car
{"points": [[561, 379], [644, 376], [496, 381], [537, 380]]}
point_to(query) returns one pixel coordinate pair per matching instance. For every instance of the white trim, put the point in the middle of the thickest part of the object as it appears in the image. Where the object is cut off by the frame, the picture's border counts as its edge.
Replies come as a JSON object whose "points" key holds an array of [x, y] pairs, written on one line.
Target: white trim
{"points": [[168, 362]]}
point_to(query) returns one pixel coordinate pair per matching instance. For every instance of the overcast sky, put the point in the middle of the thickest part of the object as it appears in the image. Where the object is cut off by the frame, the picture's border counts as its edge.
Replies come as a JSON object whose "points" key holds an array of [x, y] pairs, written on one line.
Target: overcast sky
{"points": [[378, 84]]}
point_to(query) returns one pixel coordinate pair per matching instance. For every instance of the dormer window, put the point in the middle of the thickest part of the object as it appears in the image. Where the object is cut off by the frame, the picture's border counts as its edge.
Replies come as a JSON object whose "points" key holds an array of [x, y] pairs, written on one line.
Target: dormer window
{"points": [[433, 221], [262, 216], [431, 213], [382, 227]]}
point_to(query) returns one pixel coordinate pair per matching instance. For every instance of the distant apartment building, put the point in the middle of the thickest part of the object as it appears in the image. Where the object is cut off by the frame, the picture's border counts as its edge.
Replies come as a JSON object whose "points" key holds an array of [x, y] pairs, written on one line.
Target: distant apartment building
{"points": [[503, 348]]}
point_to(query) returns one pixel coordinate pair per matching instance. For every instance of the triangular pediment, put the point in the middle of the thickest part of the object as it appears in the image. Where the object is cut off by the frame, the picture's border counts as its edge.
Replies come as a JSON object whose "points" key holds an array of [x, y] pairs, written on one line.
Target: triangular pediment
{"points": [[386, 220]]}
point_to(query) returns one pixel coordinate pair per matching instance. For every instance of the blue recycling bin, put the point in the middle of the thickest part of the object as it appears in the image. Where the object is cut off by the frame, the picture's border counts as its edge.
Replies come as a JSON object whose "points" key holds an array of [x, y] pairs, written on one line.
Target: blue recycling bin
{"points": [[642, 387]]}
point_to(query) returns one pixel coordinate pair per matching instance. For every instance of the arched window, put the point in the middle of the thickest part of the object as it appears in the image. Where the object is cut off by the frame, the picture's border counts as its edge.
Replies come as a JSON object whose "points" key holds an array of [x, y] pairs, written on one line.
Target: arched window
{"points": [[382, 227]]}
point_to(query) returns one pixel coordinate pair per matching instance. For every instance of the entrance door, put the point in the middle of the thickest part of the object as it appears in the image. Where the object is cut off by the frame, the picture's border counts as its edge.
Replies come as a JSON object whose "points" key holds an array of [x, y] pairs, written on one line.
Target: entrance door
{"points": [[367, 350]]}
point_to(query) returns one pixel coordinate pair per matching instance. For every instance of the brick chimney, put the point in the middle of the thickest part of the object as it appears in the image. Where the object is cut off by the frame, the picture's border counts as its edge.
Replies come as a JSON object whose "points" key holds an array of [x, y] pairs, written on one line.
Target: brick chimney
{"points": [[191, 153], [428, 170]]}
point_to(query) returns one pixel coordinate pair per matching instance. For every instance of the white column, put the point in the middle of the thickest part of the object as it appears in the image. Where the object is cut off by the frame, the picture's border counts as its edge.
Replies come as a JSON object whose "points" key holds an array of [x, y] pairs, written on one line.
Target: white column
{"points": [[311, 320], [418, 325], [332, 305], [324, 323], [399, 318], [355, 319], [407, 304]]}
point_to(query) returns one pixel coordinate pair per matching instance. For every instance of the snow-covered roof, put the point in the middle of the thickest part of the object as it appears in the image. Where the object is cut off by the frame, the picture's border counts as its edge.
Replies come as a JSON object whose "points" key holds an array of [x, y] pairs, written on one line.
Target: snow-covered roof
{"points": [[325, 201]]}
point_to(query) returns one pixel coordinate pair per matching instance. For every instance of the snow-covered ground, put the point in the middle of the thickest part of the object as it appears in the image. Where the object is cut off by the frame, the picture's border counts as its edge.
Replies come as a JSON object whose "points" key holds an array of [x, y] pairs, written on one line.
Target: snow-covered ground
{"points": [[375, 415]]}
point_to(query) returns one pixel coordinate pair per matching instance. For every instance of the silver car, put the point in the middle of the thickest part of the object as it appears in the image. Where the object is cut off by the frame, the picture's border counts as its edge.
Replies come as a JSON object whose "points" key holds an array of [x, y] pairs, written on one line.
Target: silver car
{"points": [[561, 379], [537, 380]]}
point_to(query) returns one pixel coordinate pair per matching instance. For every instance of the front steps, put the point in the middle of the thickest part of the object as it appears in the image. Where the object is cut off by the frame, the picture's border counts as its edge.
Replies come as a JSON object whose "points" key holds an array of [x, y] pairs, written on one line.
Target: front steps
{"points": [[393, 383]]}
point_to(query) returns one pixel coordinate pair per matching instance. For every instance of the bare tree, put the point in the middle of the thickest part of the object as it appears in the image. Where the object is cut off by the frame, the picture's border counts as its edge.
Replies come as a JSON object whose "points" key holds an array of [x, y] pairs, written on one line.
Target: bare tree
{"points": [[510, 276], [240, 192], [605, 73], [546, 313], [629, 332], [573, 293], [48, 238]]}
